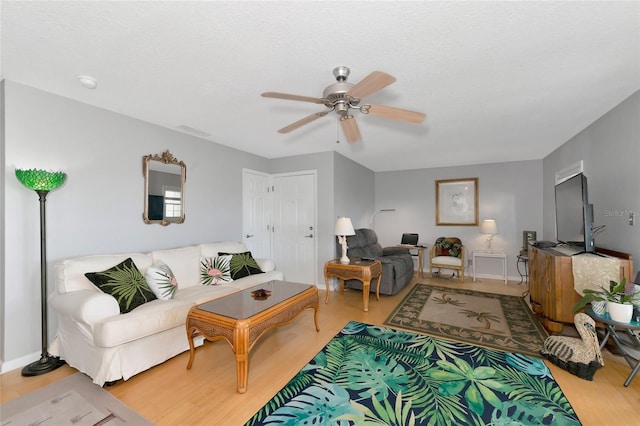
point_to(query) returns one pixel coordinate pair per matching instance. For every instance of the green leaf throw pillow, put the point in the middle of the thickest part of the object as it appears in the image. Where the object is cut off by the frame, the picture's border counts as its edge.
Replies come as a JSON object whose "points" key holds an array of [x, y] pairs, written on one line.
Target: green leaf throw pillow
{"points": [[215, 270], [124, 282], [161, 280], [242, 265]]}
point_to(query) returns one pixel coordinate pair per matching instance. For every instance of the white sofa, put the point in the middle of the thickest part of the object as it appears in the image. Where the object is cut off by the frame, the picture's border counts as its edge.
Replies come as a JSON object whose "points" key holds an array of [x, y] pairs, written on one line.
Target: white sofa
{"points": [[95, 338]]}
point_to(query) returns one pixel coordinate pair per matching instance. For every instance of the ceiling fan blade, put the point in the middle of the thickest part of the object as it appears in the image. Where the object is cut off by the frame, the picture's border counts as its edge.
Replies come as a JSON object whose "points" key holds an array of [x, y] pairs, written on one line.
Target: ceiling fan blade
{"points": [[350, 128], [372, 83], [290, 97], [308, 119], [397, 113]]}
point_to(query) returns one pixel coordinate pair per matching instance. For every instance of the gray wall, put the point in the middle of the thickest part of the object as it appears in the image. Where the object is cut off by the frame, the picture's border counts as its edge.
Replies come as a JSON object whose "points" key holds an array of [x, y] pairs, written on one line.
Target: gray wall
{"points": [[354, 191], [610, 150], [2, 215], [510, 193], [99, 208]]}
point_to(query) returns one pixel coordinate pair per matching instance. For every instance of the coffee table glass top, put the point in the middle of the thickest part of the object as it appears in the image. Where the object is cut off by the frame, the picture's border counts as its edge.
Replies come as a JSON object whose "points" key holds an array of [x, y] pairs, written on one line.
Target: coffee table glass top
{"points": [[243, 304]]}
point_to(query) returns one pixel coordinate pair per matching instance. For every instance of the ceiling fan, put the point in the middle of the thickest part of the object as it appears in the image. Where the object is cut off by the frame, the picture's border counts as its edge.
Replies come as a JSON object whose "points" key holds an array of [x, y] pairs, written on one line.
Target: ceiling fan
{"points": [[342, 97]]}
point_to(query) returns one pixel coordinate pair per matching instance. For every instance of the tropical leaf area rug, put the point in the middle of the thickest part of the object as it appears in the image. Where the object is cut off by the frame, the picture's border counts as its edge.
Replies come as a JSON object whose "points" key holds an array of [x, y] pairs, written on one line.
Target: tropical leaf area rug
{"points": [[493, 320], [373, 375]]}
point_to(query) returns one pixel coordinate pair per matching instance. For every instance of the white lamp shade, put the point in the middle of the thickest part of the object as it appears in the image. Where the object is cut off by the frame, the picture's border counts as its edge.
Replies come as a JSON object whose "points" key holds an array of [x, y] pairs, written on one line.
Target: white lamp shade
{"points": [[489, 226], [344, 227]]}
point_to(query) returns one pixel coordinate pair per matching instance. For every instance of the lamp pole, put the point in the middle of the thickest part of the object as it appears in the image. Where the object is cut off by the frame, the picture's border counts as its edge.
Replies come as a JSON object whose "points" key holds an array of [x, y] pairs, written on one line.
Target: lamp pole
{"points": [[42, 182], [46, 363], [376, 212]]}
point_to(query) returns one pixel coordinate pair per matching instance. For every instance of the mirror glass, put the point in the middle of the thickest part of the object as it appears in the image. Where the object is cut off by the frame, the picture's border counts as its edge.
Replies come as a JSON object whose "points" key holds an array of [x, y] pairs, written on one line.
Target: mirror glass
{"points": [[164, 178]]}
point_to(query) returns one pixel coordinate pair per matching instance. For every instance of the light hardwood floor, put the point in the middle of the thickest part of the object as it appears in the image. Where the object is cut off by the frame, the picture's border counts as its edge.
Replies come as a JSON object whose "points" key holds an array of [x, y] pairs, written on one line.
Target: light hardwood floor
{"points": [[169, 394]]}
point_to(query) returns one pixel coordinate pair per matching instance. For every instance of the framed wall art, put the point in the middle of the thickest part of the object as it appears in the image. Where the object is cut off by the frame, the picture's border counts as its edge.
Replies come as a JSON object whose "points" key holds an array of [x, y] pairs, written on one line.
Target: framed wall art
{"points": [[457, 202]]}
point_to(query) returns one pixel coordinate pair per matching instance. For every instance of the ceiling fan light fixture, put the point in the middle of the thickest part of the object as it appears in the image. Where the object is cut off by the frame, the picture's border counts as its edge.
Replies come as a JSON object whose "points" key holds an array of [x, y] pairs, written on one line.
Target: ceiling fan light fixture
{"points": [[341, 73], [87, 81]]}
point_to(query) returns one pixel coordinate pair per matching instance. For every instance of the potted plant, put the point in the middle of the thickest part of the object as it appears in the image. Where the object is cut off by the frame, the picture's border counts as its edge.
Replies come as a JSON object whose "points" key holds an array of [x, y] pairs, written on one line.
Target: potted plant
{"points": [[619, 299]]}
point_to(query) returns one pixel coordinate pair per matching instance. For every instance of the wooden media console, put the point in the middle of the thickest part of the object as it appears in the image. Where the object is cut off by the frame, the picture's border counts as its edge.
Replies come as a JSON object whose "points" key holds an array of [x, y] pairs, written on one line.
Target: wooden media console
{"points": [[552, 286]]}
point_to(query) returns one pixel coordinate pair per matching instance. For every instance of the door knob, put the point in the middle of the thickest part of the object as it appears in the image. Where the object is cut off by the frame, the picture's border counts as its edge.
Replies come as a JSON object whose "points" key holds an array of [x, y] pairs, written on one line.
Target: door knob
{"points": [[309, 236], [248, 235]]}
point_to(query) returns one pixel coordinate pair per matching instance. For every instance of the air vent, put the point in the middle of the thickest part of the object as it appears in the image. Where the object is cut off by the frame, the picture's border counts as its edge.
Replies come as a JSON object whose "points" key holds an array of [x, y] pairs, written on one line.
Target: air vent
{"points": [[195, 132]]}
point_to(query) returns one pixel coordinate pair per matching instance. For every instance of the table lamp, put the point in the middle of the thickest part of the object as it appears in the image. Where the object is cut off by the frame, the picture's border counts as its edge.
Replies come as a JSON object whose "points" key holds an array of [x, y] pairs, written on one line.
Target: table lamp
{"points": [[490, 228], [343, 228], [42, 182]]}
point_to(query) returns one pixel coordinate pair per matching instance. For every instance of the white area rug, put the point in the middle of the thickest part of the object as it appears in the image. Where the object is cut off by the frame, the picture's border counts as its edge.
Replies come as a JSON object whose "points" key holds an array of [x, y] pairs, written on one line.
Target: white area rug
{"points": [[74, 400]]}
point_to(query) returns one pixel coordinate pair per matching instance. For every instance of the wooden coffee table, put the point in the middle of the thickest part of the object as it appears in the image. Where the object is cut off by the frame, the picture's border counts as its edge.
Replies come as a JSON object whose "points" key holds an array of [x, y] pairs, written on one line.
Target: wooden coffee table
{"points": [[241, 319], [358, 269]]}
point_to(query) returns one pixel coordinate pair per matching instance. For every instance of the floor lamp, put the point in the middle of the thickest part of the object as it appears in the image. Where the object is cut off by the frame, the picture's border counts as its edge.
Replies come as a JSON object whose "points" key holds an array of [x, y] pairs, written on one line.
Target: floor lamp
{"points": [[42, 182], [376, 212]]}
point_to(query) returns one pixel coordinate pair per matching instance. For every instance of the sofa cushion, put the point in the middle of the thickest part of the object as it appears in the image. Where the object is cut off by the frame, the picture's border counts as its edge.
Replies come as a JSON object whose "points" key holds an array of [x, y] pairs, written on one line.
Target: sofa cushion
{"points": [[150, 318], [161, 281], [204, 293], [212, 249], [69, 273], [124, 282], [215, 270], [447, 260], [242, 265], [184, 262]]}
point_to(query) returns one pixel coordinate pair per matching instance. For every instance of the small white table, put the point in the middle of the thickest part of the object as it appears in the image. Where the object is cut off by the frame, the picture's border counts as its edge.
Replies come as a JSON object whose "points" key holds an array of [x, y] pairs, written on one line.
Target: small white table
{"points": [[493, 255]]}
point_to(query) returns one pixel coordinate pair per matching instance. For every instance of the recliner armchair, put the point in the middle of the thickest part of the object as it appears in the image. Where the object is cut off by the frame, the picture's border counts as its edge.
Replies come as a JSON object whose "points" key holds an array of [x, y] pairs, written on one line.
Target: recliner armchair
{"points": [[447, 253], [397, 263]]}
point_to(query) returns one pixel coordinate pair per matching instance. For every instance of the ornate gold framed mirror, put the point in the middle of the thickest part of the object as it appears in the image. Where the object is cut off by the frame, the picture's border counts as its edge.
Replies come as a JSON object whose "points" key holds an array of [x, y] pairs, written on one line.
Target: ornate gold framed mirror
{"points": [[164, 179]]}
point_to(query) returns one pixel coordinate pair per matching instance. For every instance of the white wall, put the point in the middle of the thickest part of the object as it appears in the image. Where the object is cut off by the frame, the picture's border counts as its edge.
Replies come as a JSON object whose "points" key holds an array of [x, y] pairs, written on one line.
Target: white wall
{"points": [[610, 149], [99, 208], [510, 193]]}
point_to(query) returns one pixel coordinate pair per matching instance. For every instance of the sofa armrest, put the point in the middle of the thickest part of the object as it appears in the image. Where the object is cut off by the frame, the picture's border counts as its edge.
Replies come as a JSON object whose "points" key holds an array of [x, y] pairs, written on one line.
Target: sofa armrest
{"points": [[266, 265], [85, 306], [388, 251]]}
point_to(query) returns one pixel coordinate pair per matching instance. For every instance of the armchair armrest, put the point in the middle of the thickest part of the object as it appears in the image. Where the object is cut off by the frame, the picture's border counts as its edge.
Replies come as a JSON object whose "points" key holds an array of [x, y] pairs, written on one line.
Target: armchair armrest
{"points": [[266, 265], [85, 306], [388, 251]]}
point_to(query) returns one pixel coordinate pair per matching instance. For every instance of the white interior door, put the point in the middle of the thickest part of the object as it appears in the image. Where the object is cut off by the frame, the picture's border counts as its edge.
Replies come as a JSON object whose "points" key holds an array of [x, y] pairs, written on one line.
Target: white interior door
{"points": [[294, 226], [256, 212]]}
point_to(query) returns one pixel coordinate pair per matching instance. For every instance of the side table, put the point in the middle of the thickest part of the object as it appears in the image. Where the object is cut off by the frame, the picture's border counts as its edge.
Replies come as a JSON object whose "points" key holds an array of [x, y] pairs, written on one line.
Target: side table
{"points": [[523, 258], [628, 344], [362, 270], [493, 255]]}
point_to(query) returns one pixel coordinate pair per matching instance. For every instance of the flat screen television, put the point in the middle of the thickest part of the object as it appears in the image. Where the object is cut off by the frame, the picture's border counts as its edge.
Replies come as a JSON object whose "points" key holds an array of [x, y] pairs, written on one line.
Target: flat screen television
{"points": [[574, 214]]}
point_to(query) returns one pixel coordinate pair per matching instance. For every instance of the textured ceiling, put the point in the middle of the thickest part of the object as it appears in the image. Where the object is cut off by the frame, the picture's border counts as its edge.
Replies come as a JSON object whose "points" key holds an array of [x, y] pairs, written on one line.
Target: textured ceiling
{"points": [[499, 81]]}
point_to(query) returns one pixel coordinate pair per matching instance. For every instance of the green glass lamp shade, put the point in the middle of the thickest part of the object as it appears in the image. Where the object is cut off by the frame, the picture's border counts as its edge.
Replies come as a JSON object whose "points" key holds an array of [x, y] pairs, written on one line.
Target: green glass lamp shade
{"points": [[40, 180]]}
